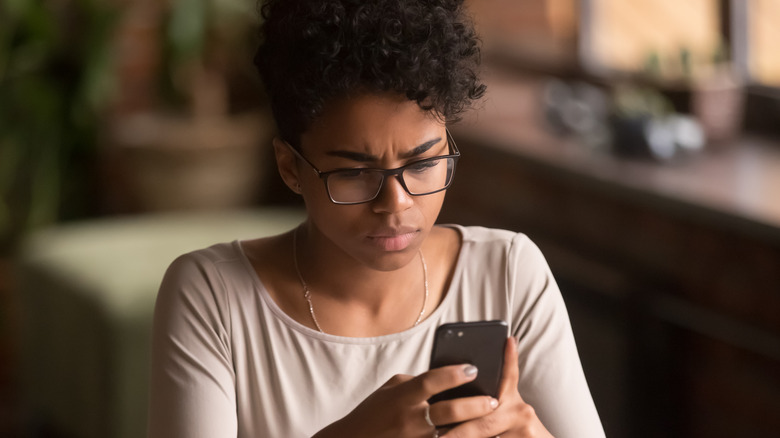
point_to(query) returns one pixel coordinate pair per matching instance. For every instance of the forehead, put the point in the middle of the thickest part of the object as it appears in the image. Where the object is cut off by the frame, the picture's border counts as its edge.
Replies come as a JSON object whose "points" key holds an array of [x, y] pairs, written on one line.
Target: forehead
{"points": [[372, 121]]}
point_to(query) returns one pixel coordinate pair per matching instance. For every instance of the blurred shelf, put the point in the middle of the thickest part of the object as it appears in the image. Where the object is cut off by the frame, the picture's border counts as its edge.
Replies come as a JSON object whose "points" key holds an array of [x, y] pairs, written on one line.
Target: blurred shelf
{"points": [[733, 185]]}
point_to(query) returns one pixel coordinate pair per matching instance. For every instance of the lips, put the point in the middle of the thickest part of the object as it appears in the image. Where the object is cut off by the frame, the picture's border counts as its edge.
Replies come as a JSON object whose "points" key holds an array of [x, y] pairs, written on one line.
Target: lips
{"points": [[393, 240]]}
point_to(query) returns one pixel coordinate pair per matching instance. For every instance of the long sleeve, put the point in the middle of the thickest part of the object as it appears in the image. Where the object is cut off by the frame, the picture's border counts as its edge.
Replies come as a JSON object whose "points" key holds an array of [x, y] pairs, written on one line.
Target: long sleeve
{"points": [[227, 362], [192, 379], [551, 376]]}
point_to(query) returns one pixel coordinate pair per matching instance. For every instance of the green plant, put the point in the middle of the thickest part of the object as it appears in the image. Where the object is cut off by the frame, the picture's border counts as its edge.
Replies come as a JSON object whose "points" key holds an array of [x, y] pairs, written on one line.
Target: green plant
{"points": [[206, 41], [636, 101], [54, 80]]}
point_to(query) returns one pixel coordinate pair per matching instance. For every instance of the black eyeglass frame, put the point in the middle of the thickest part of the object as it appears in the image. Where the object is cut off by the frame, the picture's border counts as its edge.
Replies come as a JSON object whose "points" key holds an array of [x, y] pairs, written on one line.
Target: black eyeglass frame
{"points": [[454, 154]]}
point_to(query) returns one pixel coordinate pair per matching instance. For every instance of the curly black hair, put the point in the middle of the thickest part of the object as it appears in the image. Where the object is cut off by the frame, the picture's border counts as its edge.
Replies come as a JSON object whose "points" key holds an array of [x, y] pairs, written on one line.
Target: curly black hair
{"points": [[313, 51]]}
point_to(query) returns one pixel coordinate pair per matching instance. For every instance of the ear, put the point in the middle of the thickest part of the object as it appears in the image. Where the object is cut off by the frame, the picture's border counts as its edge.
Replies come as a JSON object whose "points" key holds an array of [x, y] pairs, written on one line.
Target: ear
{"points": [[287, 164]]}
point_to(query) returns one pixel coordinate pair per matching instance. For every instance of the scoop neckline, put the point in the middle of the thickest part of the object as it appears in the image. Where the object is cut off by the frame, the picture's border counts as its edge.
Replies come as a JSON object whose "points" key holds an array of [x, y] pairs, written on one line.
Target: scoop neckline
{"points": [[296, 326]]}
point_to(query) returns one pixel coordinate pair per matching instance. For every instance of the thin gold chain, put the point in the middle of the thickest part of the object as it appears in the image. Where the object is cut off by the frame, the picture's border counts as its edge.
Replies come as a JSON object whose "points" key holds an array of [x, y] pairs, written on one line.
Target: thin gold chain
{"points": [[307, 292]]}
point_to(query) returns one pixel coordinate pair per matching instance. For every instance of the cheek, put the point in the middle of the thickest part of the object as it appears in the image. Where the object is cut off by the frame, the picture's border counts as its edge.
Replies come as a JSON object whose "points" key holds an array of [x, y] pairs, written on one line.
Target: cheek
{"points": [[335, 221], [431, 206]]}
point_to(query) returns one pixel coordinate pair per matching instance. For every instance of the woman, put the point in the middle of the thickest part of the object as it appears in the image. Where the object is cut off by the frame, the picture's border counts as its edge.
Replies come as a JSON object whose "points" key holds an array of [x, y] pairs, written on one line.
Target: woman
{"points": [[327, 330]]}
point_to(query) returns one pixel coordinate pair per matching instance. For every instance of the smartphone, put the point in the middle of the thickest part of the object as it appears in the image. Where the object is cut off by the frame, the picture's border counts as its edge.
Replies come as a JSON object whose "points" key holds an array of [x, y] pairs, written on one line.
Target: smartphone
{"points": [[480, 343]]}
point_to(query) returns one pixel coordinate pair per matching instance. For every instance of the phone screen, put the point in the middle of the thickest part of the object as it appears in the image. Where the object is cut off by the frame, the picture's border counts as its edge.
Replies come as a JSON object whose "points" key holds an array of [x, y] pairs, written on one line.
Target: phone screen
{"points": [[479, 343]]}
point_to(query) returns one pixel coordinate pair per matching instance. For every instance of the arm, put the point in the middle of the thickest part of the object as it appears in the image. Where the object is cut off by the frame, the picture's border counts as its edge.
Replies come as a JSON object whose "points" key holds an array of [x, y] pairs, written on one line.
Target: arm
{"points": [[551, 377], [543, 391], [192, 382]]}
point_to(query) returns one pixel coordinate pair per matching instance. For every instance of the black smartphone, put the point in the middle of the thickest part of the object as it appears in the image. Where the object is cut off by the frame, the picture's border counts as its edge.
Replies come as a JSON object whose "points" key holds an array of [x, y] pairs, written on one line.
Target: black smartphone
{"points": [[480, 343]]}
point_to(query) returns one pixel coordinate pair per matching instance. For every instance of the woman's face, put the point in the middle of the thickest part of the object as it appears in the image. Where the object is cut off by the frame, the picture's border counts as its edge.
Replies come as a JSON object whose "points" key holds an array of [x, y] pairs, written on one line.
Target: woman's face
{"points": [[373, 131]]}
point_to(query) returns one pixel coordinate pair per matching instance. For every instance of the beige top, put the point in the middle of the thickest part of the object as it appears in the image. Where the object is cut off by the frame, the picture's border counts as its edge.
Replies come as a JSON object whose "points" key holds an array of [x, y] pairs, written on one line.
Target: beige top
{"points": [[227, 362]]}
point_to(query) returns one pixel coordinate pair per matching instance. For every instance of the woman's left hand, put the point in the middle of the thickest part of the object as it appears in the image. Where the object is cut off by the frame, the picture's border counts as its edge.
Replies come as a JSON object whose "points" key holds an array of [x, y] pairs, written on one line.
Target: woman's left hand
{"points": [[513, 418]]}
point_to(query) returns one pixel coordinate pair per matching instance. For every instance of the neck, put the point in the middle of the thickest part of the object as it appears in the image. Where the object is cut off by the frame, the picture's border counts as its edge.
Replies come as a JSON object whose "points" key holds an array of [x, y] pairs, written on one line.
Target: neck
{"points": [[357, 292], [342, 276]]}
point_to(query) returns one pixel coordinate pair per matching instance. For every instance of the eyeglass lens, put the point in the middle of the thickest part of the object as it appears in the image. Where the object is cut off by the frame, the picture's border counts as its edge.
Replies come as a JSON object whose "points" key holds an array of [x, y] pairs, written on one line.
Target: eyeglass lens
{"points": [[419, 178]]}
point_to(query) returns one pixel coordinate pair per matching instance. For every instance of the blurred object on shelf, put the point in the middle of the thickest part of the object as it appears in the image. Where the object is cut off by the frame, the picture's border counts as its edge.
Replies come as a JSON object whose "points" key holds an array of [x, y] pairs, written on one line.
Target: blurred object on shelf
{"points": [[627, 119], [718, 102], [679, 49], [172, 162], [645, 124], [578, 109], [712, 93], [201, 144]]}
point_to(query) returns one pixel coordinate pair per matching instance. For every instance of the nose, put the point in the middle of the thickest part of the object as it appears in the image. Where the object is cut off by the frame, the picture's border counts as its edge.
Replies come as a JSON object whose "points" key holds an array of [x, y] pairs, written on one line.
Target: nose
{"points": [[392, 197]]}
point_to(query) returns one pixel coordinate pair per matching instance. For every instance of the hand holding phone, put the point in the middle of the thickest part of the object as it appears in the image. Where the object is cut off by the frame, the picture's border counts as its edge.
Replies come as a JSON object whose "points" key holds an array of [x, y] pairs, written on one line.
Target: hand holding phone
{"points": [[479, 343]]}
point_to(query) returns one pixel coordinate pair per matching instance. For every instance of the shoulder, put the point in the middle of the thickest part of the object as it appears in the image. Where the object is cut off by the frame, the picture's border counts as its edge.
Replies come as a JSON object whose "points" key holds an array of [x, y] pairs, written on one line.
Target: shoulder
{"points": [[500, 275], [512, 244], [204, 278], [512, 258], [203, 263], [508, 256]]}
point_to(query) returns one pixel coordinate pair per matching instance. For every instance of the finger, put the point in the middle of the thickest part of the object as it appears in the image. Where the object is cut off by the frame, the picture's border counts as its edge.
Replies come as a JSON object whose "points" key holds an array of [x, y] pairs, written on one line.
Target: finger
{"points": [[510, 374], [489, 425], [461, 409], [397, 380], [434, 381]]}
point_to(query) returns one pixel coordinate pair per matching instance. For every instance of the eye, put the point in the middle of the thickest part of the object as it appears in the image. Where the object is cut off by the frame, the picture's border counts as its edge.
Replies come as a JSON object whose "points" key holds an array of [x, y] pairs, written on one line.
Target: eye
{"points": [[423, 166], [350, 173]]}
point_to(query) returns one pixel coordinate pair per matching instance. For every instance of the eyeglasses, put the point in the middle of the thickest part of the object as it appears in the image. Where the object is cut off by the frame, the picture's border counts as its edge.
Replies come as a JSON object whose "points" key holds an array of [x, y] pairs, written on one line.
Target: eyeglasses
{"points": [[418, 178]]}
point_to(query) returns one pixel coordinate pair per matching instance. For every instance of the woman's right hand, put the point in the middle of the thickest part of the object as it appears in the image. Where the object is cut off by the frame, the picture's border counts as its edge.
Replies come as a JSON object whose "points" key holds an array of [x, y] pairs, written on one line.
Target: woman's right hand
{"points": [[398, 408]]}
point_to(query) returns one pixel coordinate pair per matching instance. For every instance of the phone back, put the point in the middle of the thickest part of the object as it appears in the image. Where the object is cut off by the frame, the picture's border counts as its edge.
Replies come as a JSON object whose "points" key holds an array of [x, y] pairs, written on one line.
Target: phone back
{"points": [[478, 343]]}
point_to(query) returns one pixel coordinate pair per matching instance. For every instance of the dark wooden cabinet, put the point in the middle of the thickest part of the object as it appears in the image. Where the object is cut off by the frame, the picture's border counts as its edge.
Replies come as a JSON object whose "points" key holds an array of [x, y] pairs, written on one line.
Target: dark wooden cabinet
{"points": [[675, 304]]}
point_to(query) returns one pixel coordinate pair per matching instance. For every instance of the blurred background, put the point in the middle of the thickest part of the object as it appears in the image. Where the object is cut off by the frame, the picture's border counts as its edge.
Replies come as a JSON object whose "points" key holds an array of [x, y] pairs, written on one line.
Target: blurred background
{"points": [[635, 142]]}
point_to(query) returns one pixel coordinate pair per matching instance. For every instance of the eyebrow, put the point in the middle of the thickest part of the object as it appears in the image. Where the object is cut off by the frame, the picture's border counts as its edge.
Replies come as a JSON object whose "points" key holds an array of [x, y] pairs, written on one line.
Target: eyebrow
{"points": [[367, 158]]}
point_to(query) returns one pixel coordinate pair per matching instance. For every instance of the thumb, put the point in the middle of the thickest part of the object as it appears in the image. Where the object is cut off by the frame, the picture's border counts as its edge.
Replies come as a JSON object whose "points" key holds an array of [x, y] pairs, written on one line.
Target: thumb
{"points": [[510, 375]]}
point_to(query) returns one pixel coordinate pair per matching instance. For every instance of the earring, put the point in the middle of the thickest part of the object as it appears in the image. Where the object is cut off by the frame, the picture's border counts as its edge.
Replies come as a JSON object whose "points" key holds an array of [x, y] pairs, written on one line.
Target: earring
{"points": [[298, 188]]}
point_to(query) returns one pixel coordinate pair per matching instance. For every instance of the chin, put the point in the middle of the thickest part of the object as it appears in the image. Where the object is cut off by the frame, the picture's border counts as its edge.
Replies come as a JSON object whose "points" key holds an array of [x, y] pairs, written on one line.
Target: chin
{"points": [[387, 261]]}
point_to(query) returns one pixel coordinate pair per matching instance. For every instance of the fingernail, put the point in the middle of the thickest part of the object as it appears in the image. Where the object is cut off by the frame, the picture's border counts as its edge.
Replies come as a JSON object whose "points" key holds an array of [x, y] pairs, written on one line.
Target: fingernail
{"points": [[470, 370], [493, 403]]}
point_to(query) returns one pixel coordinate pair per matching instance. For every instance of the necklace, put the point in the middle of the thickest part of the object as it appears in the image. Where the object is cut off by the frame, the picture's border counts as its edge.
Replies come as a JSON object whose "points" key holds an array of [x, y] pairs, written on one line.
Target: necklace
{"points": [[307, 292]]}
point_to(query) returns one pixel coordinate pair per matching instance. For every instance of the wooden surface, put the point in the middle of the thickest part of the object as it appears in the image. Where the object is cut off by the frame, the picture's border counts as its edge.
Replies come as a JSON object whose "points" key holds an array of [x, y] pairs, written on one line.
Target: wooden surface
{"points": [[735, 184]]}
